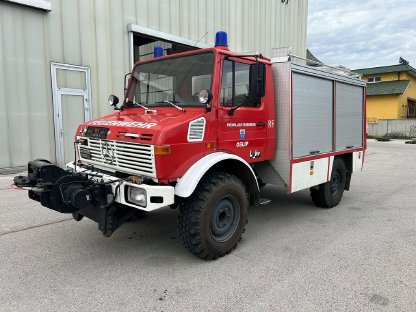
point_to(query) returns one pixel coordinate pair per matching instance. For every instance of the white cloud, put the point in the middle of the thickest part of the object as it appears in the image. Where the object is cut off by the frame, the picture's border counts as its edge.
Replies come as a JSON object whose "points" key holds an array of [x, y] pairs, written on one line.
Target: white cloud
{"points": [[359, 33]]}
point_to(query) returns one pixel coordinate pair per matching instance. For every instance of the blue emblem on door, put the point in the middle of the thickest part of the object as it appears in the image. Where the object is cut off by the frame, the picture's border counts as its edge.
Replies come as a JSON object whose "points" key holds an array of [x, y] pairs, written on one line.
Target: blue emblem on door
{"points": [[242, 133]]}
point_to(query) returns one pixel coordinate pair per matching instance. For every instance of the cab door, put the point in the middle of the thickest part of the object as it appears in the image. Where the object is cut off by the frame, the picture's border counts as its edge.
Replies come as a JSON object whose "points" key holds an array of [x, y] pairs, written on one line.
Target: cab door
{"points": [[243, 132]]}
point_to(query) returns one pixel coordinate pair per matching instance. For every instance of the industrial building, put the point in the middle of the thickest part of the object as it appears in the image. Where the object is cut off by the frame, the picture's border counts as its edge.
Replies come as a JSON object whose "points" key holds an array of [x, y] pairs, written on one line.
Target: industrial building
{"points": [[61, 59]]}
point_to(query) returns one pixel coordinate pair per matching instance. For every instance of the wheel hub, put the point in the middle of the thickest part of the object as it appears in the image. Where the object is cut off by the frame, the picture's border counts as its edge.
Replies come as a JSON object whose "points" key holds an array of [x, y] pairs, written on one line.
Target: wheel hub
{"points": [[224, 218]]}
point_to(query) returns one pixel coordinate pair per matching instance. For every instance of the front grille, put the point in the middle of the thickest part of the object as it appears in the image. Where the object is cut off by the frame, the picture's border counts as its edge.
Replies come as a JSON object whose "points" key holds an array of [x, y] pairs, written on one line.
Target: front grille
{"points": [[120, 156]]}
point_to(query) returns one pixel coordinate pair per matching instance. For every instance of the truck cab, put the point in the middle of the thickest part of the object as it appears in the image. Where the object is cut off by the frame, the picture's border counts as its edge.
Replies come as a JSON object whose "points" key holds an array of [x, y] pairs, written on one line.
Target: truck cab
{"points": [[200, 102]]}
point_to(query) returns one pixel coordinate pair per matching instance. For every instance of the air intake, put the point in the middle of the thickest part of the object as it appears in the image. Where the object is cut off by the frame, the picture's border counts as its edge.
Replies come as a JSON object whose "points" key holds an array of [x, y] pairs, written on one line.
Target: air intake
{"points": [[196, 130]]}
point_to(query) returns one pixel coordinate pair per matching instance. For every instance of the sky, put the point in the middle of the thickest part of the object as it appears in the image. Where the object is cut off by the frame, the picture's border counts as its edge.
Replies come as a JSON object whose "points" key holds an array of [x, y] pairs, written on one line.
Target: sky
{"points": [[362, 33]]}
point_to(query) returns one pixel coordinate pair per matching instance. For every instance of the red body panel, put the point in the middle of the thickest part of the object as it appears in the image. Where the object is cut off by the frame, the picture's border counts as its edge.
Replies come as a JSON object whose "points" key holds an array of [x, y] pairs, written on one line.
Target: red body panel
{"points": [[170, 127]]}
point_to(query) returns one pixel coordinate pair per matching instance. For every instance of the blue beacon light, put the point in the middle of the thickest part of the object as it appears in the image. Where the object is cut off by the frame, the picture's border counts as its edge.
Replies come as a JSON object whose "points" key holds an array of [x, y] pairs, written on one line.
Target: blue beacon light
{"points": [[221, 39], [157, 51]]}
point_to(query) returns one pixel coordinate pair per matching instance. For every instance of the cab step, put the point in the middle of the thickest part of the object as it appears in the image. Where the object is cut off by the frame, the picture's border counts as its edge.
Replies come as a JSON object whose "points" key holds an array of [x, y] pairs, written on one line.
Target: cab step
{"points": [[264, 201]]}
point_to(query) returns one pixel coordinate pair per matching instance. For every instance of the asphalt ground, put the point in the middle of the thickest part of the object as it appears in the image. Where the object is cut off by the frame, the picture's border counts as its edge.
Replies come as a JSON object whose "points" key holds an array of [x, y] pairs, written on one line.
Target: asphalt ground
{"points": [[359, 256]]}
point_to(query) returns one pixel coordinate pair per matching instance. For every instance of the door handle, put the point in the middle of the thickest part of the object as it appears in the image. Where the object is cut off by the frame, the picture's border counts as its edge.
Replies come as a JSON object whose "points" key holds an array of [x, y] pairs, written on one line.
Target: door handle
{"points": [[261, 124]]}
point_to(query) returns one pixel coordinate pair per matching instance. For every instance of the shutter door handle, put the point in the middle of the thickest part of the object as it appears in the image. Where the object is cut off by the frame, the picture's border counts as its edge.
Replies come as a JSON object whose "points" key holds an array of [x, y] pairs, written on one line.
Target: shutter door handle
{"points": [[261, 124]]}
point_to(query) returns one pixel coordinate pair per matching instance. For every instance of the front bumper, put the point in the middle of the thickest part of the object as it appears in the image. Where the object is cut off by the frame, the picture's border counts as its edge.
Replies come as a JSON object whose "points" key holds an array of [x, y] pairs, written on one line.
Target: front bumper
{"points": [[82, 192], [157, 196]]}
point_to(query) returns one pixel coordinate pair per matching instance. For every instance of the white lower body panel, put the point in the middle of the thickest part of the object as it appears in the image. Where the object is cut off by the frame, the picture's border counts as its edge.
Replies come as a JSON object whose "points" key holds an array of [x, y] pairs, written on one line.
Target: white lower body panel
{"points": [[357, 161], [310, 173]]}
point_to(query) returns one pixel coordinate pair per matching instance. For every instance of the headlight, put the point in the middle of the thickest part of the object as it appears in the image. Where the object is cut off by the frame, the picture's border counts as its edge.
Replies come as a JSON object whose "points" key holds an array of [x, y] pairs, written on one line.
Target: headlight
{"points": [[204, 97], [137, 196]]}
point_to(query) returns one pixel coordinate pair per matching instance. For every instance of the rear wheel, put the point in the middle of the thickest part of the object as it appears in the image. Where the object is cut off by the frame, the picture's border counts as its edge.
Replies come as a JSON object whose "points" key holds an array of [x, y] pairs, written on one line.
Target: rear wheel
{"points": [[212, 220], [329, 194]]}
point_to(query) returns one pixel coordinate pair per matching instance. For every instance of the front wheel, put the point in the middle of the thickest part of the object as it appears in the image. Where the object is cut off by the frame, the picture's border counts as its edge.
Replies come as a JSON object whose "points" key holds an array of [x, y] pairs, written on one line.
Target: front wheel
{"points": [[329, 194], [212, 220]]}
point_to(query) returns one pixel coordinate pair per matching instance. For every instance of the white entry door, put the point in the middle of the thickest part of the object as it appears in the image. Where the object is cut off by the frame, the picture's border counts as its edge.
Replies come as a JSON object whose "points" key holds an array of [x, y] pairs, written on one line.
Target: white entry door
{"points": [[71, 90]]}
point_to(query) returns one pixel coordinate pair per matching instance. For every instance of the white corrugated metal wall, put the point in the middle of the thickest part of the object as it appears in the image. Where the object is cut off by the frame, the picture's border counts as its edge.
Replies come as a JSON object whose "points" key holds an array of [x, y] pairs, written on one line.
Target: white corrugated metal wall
{"points": [[94, 33]]}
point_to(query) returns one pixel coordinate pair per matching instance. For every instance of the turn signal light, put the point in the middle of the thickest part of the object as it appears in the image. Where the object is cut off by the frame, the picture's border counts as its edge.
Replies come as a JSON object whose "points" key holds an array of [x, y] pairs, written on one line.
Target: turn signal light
{"points": [[162, 150]]}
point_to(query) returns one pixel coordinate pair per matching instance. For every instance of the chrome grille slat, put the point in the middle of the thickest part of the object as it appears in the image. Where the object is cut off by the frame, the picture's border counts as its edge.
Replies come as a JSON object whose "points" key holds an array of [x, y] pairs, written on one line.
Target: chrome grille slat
{"points": [[123, 148], [134, 158], [133, 168], [143, 164], [132, 154], [147, 152]]}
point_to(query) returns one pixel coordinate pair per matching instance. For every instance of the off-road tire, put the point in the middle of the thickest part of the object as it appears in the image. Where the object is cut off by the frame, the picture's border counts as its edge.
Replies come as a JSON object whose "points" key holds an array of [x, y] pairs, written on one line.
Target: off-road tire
{"points": [[199, 215], [329, 194]]}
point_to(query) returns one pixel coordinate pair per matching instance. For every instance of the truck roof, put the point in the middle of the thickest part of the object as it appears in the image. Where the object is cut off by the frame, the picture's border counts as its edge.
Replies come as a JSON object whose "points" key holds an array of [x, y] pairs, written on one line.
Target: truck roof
{"points": [[216, 50]]}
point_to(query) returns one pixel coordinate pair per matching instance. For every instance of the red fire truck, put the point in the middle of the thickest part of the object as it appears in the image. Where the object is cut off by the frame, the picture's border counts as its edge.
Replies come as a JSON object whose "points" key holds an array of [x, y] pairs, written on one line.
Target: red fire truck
{"points": [[203, 131]]}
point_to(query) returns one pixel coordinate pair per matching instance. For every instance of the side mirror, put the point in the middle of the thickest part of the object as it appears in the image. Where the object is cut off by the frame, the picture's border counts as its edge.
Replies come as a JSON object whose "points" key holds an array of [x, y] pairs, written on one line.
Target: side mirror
{"points": [[257, 79], [113, 101]]}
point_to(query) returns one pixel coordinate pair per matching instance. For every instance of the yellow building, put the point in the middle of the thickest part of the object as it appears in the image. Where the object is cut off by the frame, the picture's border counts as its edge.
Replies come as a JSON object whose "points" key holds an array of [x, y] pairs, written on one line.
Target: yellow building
{"points": [[391, 92]]}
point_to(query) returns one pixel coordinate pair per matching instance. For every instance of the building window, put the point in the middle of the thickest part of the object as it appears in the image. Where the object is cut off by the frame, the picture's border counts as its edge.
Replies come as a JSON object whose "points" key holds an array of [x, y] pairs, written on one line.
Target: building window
{"points": [[143, 40], [411, 108], [235, 85], [374, 79], [143, 46]]}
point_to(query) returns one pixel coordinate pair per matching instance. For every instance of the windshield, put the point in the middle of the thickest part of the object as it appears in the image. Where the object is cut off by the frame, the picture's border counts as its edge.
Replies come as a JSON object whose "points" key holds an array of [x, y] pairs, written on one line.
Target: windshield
{"points": [[177, 80]]}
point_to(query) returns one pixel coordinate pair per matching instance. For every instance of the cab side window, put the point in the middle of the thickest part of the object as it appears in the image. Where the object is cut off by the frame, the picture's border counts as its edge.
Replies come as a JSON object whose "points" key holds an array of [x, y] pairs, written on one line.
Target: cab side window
{"points": [[235, 85]]}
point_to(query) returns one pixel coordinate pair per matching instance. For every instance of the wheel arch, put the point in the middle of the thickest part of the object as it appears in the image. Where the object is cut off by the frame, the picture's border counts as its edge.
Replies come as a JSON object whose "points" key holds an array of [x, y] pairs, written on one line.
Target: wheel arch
{"points": [[219, 161]]}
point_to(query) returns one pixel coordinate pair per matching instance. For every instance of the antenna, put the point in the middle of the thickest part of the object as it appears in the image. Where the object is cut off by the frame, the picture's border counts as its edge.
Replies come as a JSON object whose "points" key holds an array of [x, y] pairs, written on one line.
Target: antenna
{"points": [[403, 61], [201, 38]]}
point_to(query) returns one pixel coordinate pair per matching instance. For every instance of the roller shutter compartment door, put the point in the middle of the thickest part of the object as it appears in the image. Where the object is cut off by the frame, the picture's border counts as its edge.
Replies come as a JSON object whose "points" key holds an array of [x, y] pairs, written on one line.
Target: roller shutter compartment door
{"points": [[349, 116], [312, 115]]}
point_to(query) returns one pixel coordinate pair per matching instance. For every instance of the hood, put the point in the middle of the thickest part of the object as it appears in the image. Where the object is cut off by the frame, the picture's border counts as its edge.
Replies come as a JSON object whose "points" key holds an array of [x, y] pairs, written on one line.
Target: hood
{"points": [[134, 125]]}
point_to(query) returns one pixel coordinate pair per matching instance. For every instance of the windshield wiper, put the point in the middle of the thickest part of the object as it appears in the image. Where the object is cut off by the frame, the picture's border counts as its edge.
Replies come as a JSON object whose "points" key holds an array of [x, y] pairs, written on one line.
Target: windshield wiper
{"points": [[234, 108], [141, 105], [174, 105], [171, 103], [133, 104]]}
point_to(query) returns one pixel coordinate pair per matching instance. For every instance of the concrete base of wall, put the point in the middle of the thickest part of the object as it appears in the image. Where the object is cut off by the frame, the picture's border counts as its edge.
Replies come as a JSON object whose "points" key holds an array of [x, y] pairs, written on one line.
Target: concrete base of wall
{"points": [[5, 171], [407, 127]]}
